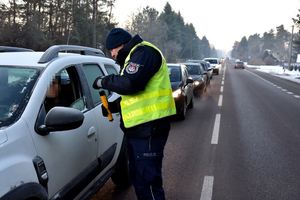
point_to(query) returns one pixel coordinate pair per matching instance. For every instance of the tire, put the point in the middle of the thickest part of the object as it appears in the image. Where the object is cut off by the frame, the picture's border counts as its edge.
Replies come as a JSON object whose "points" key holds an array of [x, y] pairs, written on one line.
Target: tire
{"points": [[181, 115], [120, 176], [191, 105]]}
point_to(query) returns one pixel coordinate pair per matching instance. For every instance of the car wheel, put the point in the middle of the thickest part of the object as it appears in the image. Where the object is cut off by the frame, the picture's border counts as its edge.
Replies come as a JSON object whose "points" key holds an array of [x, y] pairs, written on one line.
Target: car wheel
{"points": [[191, 105], [121, 176], [197, 93], [182, 114]]}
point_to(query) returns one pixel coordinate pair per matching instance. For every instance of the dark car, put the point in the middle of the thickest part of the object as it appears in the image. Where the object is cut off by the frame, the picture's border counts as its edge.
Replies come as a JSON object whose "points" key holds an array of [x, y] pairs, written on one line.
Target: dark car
{"points": [[199, 75], [182, 86], [206, 66], [239, 64]]}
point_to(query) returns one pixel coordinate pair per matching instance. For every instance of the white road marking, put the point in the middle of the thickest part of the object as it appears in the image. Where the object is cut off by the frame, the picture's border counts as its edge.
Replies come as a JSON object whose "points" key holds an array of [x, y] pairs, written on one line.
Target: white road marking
{"points": [[282, 89], [222, 83], [207, 188], [222, 89], [215, 134], [220, 100]]}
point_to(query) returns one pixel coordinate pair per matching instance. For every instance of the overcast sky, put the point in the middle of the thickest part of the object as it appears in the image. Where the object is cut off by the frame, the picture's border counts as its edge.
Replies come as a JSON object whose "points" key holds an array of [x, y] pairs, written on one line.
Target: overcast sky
{"points": [[221, 21]]}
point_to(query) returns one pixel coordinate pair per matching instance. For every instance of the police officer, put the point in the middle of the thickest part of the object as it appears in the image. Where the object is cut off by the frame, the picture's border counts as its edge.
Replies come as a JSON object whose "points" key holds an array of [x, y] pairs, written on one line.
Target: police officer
{"points": [[146, 104]]}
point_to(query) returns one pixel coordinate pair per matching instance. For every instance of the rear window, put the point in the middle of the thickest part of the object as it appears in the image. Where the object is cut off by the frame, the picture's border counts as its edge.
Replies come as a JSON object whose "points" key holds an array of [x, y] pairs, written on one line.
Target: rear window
{"points": [[175, 73], [212, 61], [16, 85], [194, 69]]}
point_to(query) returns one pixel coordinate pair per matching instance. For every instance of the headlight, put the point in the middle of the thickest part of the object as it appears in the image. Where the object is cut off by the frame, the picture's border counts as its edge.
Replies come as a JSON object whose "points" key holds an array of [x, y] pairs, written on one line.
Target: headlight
{"points": [[196, 83], [177, 93]]}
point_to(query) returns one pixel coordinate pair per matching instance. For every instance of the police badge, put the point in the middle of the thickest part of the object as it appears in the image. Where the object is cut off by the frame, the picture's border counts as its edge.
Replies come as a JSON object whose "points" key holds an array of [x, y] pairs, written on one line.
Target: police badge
{"points": [[132, 68]]}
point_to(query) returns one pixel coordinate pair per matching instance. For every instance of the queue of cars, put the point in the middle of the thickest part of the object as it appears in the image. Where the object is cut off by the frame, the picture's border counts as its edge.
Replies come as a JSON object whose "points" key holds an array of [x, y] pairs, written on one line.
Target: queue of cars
{"points": [[189, 79]]}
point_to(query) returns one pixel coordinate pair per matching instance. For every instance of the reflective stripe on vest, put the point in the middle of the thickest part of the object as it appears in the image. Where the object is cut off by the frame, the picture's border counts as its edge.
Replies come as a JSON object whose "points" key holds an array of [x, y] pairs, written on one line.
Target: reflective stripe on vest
{"points": [[154, 102]]}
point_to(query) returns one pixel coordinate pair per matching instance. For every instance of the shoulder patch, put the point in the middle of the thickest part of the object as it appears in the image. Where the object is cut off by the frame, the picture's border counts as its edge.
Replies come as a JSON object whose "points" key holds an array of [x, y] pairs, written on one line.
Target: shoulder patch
{"points": [[132, 68]]}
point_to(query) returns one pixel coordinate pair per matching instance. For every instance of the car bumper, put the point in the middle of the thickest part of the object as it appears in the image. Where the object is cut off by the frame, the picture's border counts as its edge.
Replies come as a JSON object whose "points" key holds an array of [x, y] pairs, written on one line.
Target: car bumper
{"points": [[216, 70]]}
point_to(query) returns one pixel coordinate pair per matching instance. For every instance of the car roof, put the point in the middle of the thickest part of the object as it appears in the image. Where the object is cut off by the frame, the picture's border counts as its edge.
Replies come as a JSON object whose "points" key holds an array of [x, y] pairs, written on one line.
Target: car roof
{"points": [[13, 49], [211, 59], [191, 63], [174, 64], [21, 58], [41, 59]]}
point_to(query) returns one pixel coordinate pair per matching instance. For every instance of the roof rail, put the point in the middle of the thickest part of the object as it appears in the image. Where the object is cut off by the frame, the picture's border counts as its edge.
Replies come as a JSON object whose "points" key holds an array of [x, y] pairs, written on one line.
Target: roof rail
{"points": [[13, 49], [52, 52]]}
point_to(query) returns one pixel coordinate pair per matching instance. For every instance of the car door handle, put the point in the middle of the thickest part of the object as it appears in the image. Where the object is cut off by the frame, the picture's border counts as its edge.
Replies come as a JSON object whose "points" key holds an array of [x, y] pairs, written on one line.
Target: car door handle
{"points": [[91, 132]]}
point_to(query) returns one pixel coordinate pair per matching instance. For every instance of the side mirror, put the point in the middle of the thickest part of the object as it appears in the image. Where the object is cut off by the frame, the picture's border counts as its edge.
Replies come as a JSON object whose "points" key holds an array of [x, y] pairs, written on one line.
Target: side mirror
{"points": [[61, 119], [189, 80]]}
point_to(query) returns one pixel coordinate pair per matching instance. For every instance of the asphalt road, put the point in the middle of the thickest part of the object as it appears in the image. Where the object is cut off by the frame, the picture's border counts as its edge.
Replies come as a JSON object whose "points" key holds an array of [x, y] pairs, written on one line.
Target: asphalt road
{"points": [[241, 141]]}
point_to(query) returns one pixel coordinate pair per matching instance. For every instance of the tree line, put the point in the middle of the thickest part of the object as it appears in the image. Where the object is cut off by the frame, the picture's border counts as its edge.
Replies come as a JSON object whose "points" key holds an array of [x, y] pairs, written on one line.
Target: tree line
{"points": [[273, 47], [38, 24], [177, 39]]}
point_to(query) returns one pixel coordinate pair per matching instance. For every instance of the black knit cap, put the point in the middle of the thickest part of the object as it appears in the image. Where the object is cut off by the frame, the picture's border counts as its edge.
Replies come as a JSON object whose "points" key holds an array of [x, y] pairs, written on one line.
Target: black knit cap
{"points": [[117, 37]]}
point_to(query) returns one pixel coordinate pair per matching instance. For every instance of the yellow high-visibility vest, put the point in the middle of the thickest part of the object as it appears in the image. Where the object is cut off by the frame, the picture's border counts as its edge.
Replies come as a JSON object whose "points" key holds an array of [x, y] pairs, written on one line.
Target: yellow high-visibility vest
{"points": [[154, 102]]}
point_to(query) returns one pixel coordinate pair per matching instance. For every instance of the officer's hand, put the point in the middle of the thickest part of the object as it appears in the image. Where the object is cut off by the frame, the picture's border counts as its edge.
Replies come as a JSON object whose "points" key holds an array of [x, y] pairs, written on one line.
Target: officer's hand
{"points": [[114, 107], [97, 83]]}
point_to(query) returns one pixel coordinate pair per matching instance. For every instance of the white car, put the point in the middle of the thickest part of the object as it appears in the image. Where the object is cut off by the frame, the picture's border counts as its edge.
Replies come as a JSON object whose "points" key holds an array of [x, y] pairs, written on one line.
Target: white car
{"points": [[57, 148], [215, 63]]}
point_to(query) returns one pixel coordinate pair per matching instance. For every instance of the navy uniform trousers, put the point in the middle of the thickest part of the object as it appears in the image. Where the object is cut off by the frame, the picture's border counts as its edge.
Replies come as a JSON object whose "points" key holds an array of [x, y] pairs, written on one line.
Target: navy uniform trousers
{"points": [[145, 153]]}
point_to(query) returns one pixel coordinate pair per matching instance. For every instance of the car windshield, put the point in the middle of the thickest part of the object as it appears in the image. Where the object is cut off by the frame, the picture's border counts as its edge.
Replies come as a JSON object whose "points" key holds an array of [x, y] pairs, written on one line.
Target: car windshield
{"points": [[212, 61], [193, 69], [16, 84], [175, 73]]}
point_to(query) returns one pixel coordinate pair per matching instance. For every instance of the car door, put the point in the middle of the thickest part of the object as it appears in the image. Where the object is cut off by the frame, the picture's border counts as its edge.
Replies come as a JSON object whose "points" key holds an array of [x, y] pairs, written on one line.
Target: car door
{"points": [[109, 133], [69, 156]]}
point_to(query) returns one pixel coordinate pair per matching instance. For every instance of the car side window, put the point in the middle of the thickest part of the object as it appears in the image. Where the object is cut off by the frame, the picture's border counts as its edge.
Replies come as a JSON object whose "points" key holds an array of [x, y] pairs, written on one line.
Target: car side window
{"points": [[92, 71], [204, 66], [111, 69], [65, 90], [201, 69]]}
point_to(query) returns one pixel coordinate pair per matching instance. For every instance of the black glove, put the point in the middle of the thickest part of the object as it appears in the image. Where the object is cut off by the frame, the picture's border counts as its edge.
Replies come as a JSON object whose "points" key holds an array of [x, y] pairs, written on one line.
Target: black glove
{"points": [[104, 111], [114, 107], [97, 83]]}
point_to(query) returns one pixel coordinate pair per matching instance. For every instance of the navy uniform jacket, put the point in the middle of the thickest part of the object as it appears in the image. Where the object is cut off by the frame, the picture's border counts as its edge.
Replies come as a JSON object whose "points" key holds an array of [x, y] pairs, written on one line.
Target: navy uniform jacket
{"points": [[145, 61], [148, 62]]}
